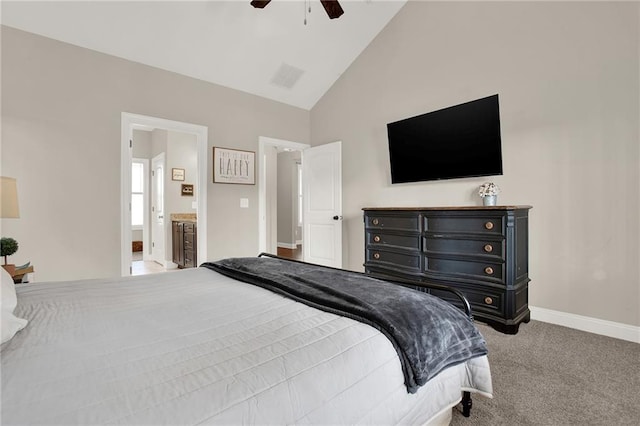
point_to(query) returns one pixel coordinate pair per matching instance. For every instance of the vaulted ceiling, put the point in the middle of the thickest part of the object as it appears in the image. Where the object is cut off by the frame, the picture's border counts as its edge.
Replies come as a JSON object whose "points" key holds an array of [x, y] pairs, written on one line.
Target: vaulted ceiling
{"points": [[269, 52]]}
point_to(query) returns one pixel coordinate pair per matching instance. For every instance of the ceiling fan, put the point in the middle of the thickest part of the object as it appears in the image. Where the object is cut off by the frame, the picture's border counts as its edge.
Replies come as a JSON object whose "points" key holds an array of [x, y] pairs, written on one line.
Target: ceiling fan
{"points": [[333, 8]]}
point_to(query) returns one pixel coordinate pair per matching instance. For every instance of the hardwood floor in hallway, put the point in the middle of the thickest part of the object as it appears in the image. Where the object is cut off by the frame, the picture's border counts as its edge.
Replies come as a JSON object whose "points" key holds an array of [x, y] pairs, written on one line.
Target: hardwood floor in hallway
{"points": [[295, 254]]}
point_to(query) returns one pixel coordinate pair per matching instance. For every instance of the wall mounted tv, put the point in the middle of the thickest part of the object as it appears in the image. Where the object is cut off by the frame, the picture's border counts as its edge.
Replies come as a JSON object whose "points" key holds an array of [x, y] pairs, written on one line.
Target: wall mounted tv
{"points": [[454, 142]]}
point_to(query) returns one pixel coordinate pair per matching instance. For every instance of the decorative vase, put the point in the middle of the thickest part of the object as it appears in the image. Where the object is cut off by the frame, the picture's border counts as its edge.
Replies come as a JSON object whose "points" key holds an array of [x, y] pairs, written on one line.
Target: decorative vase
{"points": [[489, 200]]}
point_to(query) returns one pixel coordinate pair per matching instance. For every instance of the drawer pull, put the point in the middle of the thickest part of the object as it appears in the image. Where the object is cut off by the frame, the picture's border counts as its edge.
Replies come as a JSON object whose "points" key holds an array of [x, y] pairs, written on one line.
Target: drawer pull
{"points": [[488, 270], [489, 225], [376, 255], [488, 248], [375, 221], [488, 300], [376, 238]]}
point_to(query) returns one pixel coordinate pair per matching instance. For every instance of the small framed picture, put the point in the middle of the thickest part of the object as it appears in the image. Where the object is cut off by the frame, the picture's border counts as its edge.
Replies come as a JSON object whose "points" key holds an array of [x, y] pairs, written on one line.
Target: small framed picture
{"points": [[177, 174], [234, 166], [187, 190]]}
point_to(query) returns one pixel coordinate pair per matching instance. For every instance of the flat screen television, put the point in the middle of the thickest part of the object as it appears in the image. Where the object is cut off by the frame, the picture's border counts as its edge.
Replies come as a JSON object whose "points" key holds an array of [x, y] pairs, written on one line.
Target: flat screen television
{"points": [[455, 142]]}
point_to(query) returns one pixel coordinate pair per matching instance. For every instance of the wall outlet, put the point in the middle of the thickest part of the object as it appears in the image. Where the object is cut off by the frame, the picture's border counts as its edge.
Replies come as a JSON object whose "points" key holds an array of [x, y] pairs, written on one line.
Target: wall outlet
{"points": [[244, 203]]}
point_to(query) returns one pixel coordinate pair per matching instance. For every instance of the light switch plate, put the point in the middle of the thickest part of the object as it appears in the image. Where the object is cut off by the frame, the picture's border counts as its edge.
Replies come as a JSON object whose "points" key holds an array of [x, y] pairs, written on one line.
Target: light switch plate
{"points": [[244, 203]]}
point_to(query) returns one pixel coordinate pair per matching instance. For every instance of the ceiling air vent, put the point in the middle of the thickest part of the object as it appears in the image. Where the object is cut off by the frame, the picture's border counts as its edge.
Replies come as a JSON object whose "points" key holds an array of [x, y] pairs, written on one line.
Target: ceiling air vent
{"points": [[286, 76]]}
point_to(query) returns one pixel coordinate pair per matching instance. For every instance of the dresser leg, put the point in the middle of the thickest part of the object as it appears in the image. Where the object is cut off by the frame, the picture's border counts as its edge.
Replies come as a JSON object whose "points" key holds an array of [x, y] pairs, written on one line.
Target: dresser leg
{"points": [[466, 404], [503, 328]]}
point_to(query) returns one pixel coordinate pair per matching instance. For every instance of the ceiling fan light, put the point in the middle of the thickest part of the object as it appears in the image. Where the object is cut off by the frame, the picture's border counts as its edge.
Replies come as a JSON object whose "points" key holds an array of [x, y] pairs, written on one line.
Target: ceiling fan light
{"points": [[259, 4], [333, 8]]}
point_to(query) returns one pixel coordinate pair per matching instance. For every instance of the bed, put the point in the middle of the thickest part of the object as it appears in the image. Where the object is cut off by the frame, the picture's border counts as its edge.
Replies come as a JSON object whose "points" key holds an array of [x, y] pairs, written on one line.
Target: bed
{"points": [[198, 346]]}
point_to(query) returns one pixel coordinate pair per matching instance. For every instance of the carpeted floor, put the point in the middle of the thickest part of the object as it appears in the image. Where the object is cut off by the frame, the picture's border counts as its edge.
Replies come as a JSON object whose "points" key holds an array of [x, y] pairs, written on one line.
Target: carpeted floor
{"points": [[552, 375]]}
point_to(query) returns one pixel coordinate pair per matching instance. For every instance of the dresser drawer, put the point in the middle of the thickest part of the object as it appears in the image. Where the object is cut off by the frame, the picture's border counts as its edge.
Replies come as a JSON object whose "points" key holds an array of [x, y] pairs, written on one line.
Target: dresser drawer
{"points": [[484, 301], [189, 239], [487, 248], [492, 271], [189, 228], [400, 260], [480, 300], [189, 245], [411, 242], [465, 225], [393, 222], [189, 259]]}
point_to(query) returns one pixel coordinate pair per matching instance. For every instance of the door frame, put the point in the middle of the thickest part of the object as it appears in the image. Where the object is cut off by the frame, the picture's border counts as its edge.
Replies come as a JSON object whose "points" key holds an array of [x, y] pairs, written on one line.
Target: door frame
{"points": [[130, 121], [263, 143]]}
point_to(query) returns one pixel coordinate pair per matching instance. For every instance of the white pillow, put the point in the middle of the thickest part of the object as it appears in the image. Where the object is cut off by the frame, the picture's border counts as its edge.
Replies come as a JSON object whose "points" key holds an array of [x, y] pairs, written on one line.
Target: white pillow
{"points": [[10, 324]]}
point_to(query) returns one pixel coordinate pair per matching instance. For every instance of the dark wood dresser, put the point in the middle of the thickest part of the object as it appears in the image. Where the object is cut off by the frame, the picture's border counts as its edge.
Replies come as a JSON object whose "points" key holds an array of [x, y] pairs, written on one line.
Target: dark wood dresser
{"points": [[184, 236], [481, 251]]}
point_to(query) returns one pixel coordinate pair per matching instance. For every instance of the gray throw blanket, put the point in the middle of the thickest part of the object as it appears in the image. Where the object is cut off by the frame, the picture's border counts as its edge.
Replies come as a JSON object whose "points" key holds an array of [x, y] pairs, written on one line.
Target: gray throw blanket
{"points": [[429, 334]]}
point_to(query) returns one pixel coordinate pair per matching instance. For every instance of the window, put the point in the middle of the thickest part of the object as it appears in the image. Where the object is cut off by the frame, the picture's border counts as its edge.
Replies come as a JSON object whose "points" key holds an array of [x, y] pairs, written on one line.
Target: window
{"points": [[137, 194]]}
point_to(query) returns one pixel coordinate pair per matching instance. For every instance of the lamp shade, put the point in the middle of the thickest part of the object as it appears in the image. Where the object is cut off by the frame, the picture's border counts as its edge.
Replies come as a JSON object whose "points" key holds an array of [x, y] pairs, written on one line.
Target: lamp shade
{"points": [[8, 198]]}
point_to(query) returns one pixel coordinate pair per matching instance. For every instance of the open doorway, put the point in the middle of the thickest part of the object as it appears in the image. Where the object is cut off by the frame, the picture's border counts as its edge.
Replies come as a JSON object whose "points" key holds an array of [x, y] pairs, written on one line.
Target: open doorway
{"points": [[321, 199], [163, 161], [289, 208], [180, 151], [279, 205]]}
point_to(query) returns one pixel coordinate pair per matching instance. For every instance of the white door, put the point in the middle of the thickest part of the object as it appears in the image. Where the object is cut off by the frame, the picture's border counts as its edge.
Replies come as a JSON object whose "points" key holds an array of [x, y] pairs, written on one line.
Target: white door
{"points": [[157, 209], [322, 200]]}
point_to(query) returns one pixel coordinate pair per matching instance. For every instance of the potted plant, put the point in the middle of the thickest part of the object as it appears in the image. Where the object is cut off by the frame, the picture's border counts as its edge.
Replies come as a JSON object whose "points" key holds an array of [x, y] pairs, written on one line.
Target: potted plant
{"points": [[489, 192], [8, 246]]}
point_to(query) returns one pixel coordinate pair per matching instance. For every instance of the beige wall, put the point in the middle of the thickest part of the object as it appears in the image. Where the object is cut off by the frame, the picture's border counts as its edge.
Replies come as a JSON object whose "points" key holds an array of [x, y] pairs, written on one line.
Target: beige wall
{"points": [[141, 144], [182, 153], [61, 111], [567, 75]]}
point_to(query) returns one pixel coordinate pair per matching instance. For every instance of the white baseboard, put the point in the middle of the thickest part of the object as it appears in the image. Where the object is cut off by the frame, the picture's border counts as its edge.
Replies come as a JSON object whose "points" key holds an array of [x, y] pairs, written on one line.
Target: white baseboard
{"points": [[592, 325], [287, 246], [299, 242]]}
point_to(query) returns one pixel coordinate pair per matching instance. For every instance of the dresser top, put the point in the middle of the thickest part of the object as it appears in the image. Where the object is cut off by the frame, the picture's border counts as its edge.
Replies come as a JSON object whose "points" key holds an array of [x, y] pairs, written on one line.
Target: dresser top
{"points": [[524, 207], [183, 217]]}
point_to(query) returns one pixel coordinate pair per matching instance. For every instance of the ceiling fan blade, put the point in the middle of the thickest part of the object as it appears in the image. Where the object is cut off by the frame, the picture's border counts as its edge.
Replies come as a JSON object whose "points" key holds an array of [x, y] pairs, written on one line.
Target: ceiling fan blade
{"points": [[260, 3], [333, 8]]}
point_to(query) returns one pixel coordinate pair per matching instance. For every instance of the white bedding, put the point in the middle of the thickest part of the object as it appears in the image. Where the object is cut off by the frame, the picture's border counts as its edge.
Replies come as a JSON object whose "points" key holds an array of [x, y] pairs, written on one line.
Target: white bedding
{"points": [[195, 347]]}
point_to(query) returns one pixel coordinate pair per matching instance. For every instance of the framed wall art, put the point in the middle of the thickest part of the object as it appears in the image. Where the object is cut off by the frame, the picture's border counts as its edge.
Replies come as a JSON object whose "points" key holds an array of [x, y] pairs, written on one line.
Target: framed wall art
{"points": [[234, 166], [187, 190], [177, 174]]}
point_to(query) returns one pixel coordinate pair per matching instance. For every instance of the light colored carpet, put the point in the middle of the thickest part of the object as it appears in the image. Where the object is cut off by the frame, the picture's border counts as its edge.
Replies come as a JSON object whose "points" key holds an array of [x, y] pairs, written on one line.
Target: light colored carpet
{"points": [[552, 375]]}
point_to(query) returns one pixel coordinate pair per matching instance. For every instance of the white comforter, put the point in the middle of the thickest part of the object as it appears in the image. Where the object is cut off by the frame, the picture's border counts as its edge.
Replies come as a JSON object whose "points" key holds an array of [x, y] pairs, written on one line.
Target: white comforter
{"points": [[195, 347]]}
